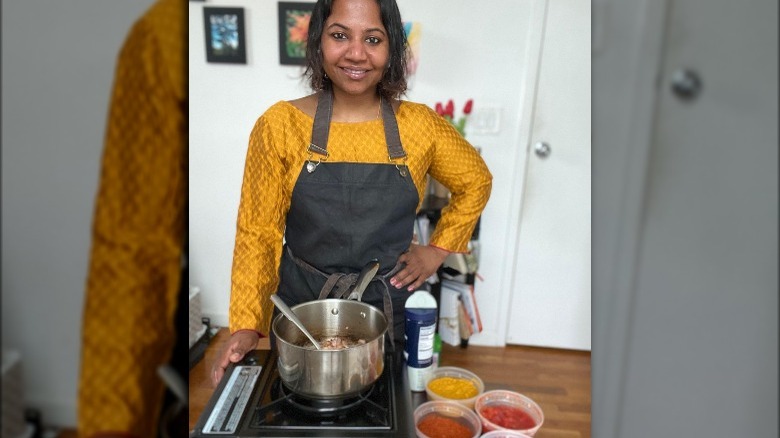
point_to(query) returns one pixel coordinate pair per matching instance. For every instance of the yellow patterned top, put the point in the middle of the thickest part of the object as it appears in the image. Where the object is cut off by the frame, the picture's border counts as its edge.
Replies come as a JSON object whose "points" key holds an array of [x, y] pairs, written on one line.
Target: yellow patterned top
{"points": [[276, 154], [137, 232]]}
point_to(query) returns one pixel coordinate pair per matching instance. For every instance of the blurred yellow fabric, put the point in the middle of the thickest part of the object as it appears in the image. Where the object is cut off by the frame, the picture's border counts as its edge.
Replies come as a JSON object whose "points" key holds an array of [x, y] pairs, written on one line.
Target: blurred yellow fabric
{"points": [[138, 231], [277, 152]]}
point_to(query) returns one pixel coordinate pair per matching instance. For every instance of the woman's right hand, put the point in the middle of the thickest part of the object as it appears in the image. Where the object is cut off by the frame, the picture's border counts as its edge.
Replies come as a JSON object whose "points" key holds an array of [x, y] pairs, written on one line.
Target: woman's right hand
{"points": [[239, 344]]}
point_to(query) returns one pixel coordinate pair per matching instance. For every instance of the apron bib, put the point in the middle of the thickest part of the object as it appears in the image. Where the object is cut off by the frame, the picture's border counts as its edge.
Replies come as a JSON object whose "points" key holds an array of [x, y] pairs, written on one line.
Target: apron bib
{"points": [[342, 216]]}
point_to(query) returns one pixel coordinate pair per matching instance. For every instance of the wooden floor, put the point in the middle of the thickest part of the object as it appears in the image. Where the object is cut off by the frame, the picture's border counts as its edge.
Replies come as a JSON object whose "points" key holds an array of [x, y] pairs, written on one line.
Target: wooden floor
{"points": [[559, 380]]}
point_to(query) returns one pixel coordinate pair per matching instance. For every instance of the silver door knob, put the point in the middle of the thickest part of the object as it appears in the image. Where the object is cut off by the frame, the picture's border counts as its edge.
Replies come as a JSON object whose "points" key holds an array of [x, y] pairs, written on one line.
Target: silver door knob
{"points": [[686, 84], [542, 149]]}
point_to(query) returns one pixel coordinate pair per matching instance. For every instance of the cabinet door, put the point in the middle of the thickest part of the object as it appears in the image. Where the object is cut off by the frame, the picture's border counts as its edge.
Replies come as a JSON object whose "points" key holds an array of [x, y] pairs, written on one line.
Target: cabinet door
{"points": [[550, 304]]}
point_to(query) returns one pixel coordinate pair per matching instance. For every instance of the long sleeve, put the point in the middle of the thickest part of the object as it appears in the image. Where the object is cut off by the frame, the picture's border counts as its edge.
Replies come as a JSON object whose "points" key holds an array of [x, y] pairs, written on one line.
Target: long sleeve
{"points": [[138, 231], [457, 165], [265, 199]]}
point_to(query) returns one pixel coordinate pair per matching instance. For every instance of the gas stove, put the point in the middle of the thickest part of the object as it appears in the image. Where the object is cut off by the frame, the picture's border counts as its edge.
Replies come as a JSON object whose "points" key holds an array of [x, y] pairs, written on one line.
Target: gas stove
{"points": [[252, 401]]}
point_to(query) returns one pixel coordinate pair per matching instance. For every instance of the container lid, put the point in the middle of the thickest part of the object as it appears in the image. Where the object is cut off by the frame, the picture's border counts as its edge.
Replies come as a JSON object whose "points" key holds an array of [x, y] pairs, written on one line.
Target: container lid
{"points": [[422, 299]]}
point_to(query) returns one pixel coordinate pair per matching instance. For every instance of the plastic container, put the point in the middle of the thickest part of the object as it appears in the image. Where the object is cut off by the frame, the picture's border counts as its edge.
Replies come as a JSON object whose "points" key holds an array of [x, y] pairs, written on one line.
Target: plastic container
{"points": [[459, 373], [504, 434], [450, 417], [508, 402]]}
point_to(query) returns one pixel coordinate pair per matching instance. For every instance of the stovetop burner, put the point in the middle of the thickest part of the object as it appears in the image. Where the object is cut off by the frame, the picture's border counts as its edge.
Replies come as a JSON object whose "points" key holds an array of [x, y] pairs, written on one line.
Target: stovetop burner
{"points": [[281, 408], [382, 410], [320, 407]]}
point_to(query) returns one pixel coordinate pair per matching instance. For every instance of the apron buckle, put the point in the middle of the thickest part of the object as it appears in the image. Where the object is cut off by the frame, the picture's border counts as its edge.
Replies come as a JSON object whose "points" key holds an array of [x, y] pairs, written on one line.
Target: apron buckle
{"points": [[311, 165], [402, 168]]}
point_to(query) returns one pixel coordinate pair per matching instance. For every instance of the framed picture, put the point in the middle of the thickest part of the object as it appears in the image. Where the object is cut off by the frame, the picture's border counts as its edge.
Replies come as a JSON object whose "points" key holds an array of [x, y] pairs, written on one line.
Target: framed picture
{"points": [[413, 31], [293, 32], [224, 30]]}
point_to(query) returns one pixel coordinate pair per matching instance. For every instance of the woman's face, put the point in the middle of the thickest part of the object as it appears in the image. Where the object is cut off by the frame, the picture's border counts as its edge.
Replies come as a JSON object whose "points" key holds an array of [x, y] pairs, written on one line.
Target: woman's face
{"points": [[355, 49]]}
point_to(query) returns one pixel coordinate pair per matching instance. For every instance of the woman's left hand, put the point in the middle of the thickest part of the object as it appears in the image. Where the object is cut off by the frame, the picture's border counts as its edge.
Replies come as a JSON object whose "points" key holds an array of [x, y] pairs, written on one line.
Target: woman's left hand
{"points": [[421, 262]]}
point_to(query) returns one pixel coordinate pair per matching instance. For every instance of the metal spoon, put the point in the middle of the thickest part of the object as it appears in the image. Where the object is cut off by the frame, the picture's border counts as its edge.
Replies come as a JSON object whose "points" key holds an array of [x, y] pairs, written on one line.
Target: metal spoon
{"points": [[292, 317]]}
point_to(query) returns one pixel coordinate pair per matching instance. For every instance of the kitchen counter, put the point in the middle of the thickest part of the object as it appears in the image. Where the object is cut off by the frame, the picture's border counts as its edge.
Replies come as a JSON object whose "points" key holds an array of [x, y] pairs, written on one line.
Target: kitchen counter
{"points": [[200, 383], [558, 380]]}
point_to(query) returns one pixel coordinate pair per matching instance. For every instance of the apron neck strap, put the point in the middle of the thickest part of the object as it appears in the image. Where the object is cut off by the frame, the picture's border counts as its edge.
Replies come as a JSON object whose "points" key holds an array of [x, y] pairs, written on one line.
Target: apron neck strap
{"points": [[321, 127]]}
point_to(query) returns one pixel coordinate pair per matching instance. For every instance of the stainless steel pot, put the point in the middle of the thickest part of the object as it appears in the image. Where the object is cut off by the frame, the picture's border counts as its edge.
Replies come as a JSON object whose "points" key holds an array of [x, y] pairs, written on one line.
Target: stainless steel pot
{"points": [[328, 374]]}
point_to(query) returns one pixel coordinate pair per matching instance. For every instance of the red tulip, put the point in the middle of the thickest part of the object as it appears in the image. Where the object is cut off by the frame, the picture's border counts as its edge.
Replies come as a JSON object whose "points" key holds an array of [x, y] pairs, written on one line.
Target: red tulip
{"points": [[469, 105], [450, 109], [439, 109]]}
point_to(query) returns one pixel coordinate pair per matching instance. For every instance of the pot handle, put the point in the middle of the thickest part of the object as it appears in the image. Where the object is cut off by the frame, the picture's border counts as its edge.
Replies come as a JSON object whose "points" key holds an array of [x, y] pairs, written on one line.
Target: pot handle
{"points": [[365, 277]]}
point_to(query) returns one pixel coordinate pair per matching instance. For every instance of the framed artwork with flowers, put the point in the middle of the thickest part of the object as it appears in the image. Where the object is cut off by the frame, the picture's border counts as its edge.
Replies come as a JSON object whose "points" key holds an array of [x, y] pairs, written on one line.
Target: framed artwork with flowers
{"points": [[293, 31], [224, 30]]}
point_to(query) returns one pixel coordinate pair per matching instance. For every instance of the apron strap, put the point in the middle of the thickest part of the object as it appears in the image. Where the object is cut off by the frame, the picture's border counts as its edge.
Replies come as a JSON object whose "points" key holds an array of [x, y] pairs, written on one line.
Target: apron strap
{"points": [[340, 284], [392, 136], [330, 283], [320, 129]]}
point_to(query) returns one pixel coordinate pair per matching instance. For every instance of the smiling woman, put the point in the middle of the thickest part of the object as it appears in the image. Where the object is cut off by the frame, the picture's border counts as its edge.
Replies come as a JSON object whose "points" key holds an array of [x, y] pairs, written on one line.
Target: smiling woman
{"points": [[333, 180], [356, 36], [355, 49]]}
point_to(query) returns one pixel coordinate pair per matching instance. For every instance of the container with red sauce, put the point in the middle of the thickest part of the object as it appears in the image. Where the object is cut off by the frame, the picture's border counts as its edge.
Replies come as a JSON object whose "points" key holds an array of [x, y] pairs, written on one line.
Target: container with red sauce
{"points": [[508, 410], [446, 419], [504, 434]]}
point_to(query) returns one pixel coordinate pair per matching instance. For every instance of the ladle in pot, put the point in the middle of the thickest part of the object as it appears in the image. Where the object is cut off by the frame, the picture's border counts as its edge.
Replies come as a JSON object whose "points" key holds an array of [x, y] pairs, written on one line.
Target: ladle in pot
{"points": [[286, 311]]}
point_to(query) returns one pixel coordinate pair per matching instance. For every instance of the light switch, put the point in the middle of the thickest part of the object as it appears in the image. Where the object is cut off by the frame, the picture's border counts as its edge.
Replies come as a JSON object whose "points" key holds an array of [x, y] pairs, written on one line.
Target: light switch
{"points": [[485, 121]]}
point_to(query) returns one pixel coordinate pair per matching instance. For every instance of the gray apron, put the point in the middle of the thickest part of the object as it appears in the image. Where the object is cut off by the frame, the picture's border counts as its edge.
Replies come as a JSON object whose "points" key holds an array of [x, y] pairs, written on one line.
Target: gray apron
{"points": [[342, 216]]}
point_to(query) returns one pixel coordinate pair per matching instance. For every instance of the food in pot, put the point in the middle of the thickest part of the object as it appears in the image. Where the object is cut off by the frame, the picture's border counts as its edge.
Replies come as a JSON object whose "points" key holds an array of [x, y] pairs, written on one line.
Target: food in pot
{"points": [[331, 373], [335, 342], [454, 388], [508, 417], [340, 342], [437, 426]]}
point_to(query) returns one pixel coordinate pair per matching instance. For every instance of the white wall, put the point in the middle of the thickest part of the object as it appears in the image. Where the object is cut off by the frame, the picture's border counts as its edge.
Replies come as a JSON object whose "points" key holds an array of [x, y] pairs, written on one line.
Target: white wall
{"points": [[57, 68], [466, 52]]}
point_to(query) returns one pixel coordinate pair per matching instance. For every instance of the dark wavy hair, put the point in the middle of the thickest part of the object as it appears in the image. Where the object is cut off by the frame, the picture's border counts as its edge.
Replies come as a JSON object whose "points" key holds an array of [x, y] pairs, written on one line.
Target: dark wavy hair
{"points": [[393, 82]]}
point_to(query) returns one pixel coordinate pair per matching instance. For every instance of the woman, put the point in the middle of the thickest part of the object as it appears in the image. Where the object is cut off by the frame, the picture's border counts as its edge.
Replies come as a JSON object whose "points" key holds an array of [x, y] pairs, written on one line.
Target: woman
{"points": [[339, 176]]}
